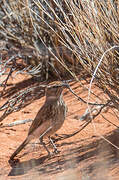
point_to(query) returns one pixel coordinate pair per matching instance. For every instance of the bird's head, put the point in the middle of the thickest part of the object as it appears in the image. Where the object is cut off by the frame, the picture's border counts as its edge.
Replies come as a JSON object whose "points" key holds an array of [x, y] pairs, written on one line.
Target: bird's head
{"points": [[54, 90]]}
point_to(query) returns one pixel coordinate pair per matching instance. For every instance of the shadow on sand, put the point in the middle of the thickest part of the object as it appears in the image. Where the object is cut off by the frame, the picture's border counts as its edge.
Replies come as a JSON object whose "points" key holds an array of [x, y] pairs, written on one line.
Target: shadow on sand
{"points": [[97, 157]]}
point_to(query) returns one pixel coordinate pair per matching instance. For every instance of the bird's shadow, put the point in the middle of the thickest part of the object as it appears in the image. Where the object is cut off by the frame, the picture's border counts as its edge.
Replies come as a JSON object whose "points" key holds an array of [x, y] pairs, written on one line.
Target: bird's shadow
{"points": [[21, 168], [73, 157], [42, 164]]}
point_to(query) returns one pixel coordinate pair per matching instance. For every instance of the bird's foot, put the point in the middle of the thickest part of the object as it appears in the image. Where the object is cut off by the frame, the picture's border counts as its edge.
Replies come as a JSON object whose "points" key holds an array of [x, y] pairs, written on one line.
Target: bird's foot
{"points": [[56, 151]]}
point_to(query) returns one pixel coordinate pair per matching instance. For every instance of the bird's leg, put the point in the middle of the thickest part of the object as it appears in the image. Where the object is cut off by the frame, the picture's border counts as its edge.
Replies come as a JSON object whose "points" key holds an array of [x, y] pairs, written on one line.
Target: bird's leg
{"points": [[54, 146], [45, 147]]}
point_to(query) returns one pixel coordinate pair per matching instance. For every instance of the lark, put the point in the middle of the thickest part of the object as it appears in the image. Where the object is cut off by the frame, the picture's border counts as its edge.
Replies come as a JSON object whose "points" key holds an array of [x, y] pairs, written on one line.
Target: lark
{"points": [[49, 118]]}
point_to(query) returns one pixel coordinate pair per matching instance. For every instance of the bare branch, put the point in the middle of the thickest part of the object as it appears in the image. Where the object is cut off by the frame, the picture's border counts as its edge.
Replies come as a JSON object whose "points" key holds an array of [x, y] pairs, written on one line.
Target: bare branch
{"points": [[80, 99], [88, 119], [15, 123]]}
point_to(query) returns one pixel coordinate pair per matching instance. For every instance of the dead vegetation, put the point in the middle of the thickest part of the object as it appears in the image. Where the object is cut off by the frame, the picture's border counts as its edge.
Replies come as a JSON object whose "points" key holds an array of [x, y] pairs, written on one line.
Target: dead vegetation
{"points": [[59, 40]]}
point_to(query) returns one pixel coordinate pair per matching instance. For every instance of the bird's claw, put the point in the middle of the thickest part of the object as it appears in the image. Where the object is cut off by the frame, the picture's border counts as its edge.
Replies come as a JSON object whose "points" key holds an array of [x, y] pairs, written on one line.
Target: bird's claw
{"points": [[56, 151]]}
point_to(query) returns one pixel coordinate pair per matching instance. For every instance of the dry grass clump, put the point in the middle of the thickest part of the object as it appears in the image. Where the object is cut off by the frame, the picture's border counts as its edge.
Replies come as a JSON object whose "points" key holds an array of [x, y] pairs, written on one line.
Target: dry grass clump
{"points": [[59, 39], [66, 37]]}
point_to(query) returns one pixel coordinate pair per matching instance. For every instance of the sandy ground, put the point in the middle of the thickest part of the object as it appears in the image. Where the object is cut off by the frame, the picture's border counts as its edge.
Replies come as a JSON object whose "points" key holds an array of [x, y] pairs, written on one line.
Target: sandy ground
{"points": [[85, 156]]}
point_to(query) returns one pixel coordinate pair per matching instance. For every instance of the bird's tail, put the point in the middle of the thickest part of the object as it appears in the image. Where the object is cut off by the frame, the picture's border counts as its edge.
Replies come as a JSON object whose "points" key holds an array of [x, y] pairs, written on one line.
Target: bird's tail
{"points": [[19, 149]]}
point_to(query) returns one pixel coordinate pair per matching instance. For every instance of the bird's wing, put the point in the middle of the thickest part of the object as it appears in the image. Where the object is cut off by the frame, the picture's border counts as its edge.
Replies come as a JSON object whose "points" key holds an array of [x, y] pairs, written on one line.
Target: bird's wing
{"points": [[44, 114]]}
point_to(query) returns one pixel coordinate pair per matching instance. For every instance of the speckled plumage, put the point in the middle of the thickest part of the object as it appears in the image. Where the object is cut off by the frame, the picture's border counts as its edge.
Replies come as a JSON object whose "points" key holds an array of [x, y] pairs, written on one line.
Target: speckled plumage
{"points": [[49, 118]]}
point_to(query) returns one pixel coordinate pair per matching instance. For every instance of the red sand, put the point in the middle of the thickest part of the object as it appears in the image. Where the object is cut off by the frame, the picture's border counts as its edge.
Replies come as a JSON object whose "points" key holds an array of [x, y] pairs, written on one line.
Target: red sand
{"points": [[85, 156]]}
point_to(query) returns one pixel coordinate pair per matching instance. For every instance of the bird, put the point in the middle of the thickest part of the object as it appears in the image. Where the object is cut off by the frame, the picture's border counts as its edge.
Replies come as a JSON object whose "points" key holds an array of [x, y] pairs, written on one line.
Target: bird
{"points": [[49, 118]]}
